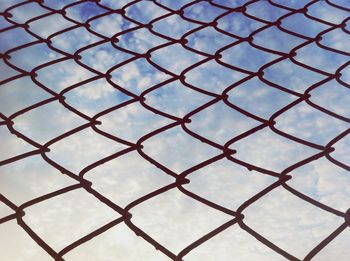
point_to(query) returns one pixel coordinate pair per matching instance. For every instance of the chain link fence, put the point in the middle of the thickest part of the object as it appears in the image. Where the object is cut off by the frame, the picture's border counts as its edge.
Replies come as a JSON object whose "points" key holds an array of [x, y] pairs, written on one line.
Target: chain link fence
{"points": [[204, 15]]}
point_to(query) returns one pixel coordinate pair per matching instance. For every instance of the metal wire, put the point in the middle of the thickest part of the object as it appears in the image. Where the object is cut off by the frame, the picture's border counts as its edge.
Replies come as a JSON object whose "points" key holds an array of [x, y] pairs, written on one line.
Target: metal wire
{"points": [[183, 178]]}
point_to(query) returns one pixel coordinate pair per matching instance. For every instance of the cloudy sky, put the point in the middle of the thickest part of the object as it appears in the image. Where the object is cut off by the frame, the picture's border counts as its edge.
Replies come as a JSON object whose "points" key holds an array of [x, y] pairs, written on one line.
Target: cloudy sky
{"points": [[168, 89]]}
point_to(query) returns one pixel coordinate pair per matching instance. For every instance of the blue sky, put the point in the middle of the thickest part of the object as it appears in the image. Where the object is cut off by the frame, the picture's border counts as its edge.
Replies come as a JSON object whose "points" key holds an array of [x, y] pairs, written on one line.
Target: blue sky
{"points": [[174, 219]]}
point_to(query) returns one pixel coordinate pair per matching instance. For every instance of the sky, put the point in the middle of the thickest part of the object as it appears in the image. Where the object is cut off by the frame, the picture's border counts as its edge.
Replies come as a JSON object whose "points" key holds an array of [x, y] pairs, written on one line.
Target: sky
{"points": [[184, 103]]}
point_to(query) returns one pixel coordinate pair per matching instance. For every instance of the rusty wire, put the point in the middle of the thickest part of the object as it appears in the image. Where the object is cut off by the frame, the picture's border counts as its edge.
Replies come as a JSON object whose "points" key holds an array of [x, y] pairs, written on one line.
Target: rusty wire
{"points": [[180, 179]]}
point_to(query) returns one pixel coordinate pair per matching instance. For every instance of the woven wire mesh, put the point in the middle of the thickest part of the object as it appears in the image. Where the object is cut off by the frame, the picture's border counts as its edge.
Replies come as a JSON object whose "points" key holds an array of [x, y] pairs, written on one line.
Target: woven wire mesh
{"points": [[207, 18]]}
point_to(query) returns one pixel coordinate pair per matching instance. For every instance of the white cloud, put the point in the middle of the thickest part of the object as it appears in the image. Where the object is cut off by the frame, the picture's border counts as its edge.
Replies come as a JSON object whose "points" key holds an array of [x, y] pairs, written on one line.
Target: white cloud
{"points": [[47, 122], [265, 11], [342, 152], [324, 182], [109, 25], [176, 220], [233, 243], [140, 40], [217, 77], [230, 183], [291, 76], [11, 145], [68, 71], [30, 57], [103, 56], [145, 11], [320, 58], [115, 244], [14, 38], [305, 122], [220, 123], [27, 11], [291, 223], [274, 39], [333, 97], [303, 25], [197, 12], [208, 40], [237, 56], [6, 71], [183, 99], [82, 149], [171, 148], [49, 25], [173, 26], [239, 24], [137, 76], [21, 181], [178, 58], [71, 216], [255, 97], [337, 249], [19, 246], [94, 97], [322, 10], [74, 39], [113, 181], [131, 122], [270, 151]]}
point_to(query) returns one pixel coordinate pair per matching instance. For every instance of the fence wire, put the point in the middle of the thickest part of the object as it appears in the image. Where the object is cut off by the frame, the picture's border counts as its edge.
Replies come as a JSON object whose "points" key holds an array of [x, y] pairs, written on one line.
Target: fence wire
{"points": [[215, 10]]}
